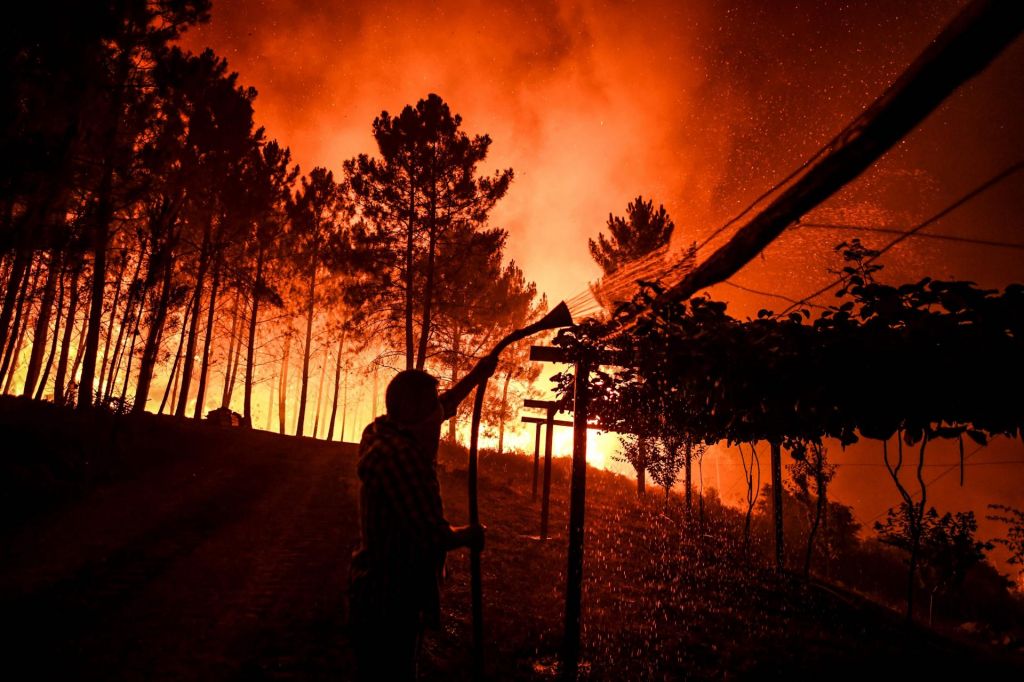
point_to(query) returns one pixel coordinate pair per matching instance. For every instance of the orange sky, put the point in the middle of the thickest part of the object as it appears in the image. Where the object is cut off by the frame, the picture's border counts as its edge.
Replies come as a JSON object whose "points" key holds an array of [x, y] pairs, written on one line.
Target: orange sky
{"points": [[700, 105]]}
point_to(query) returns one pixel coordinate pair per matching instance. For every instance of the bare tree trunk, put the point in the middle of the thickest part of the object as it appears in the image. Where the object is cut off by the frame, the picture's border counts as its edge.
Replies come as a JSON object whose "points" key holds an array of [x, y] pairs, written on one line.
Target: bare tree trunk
{"points": [[307, 348], [282, 392], [151, 348], [504, 406], [128, 320], [69, 330], [9, 364], [250, 355], [53, 342], [193, 327], [39, 334], [14, 357], [320, 393], [234, 351], [128, 365], [456, 349], [101, 235], [408, 278], [344, 408], [172, 379], [204, 368], [428, 290], [100, 386], [80, 347], [916, 531], [818, 508], [688, 468], [337, 379], [20, 266], [641, 469], [270, 406]]}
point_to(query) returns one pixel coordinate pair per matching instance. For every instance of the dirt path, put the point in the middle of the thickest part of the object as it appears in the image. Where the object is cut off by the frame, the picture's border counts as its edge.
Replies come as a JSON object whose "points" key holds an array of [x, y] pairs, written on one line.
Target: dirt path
{"points": [[206, 567]]}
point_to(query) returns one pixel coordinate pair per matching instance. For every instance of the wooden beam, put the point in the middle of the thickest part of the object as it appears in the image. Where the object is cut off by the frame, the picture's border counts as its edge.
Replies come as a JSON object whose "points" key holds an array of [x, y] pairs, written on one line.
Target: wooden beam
{"points": [[543, 420], [562, 355], [546, 404]]}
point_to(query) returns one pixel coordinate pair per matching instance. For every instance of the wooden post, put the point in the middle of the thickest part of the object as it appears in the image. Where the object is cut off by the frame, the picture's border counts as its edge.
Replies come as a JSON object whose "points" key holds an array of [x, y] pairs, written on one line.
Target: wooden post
{"points": [[545, 502], [536, 461], [476, 582], [777, 504], [577, 507]]}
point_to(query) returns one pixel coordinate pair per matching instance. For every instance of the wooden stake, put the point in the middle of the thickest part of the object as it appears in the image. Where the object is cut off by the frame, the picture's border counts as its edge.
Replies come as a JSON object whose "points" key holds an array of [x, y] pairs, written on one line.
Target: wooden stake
{"points": [[577, 507], [777, 505], [545, 501], [536, 460], [476, 579]]}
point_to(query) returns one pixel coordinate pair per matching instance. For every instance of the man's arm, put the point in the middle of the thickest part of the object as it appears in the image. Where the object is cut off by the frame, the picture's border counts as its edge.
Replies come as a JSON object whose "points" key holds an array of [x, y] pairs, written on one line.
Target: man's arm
{"points": [[451, 398]]}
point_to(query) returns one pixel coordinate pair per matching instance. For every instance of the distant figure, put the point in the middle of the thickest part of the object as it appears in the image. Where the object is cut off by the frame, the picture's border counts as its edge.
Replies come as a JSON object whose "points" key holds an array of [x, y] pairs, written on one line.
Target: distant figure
{"points": [[393, 580]]}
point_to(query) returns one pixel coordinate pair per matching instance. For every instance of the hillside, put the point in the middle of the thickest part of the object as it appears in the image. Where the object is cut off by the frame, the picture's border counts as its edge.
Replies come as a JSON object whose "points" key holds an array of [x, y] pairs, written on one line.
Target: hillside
{"points": [[147, 548]]}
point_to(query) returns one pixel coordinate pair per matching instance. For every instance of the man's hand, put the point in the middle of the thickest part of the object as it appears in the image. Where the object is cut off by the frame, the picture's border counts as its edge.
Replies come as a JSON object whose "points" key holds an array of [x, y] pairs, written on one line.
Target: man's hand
{"points": [[484, 368], [471, 537]]}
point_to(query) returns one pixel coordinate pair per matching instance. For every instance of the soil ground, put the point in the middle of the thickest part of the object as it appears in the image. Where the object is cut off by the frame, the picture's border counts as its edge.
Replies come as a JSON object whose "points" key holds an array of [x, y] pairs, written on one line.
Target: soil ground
{"points": [[155, 549]]}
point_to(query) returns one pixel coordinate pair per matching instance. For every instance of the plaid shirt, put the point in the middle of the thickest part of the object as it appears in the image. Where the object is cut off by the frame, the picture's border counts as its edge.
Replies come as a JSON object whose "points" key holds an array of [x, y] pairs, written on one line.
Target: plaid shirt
{"points": [[404, 534]]}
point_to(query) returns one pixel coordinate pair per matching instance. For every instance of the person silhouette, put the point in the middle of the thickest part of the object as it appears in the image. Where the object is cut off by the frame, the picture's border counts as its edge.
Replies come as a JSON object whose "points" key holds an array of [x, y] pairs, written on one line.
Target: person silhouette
{"points": [[393, 579]]}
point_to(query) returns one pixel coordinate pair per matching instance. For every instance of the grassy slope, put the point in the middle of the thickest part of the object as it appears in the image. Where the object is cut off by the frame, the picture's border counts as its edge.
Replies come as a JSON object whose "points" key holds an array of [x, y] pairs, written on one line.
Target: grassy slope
{"points": [[662, 601]]}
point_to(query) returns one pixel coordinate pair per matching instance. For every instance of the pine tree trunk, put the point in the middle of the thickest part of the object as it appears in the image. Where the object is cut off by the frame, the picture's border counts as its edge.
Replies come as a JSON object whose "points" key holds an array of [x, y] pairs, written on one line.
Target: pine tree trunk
{"points": [[250, 355], [307, 348], [193, 326], [504, 407], [128, 320], [337, 380], [151, 348], [270, 406], [80, 346], [100, 385], [44, 377], [428, 289], [20, 266], [456, 349], [814, 528], [128, 365], [39, 335], [688, 469], [9, 364], [69, 330], [641, 469], [234, 351], [409, 278], [320, 394], [101, 233], [171, 390], [282, 391], [204, 368], [14, 359], [344, 407]]}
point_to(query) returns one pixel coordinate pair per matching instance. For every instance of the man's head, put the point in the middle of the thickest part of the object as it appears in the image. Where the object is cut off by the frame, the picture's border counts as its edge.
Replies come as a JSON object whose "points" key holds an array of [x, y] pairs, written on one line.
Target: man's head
{"points": [[412, 402]]}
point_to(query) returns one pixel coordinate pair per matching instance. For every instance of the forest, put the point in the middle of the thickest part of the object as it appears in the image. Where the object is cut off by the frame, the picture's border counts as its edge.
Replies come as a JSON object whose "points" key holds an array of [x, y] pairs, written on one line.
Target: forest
{"points": [[162, 253]]}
